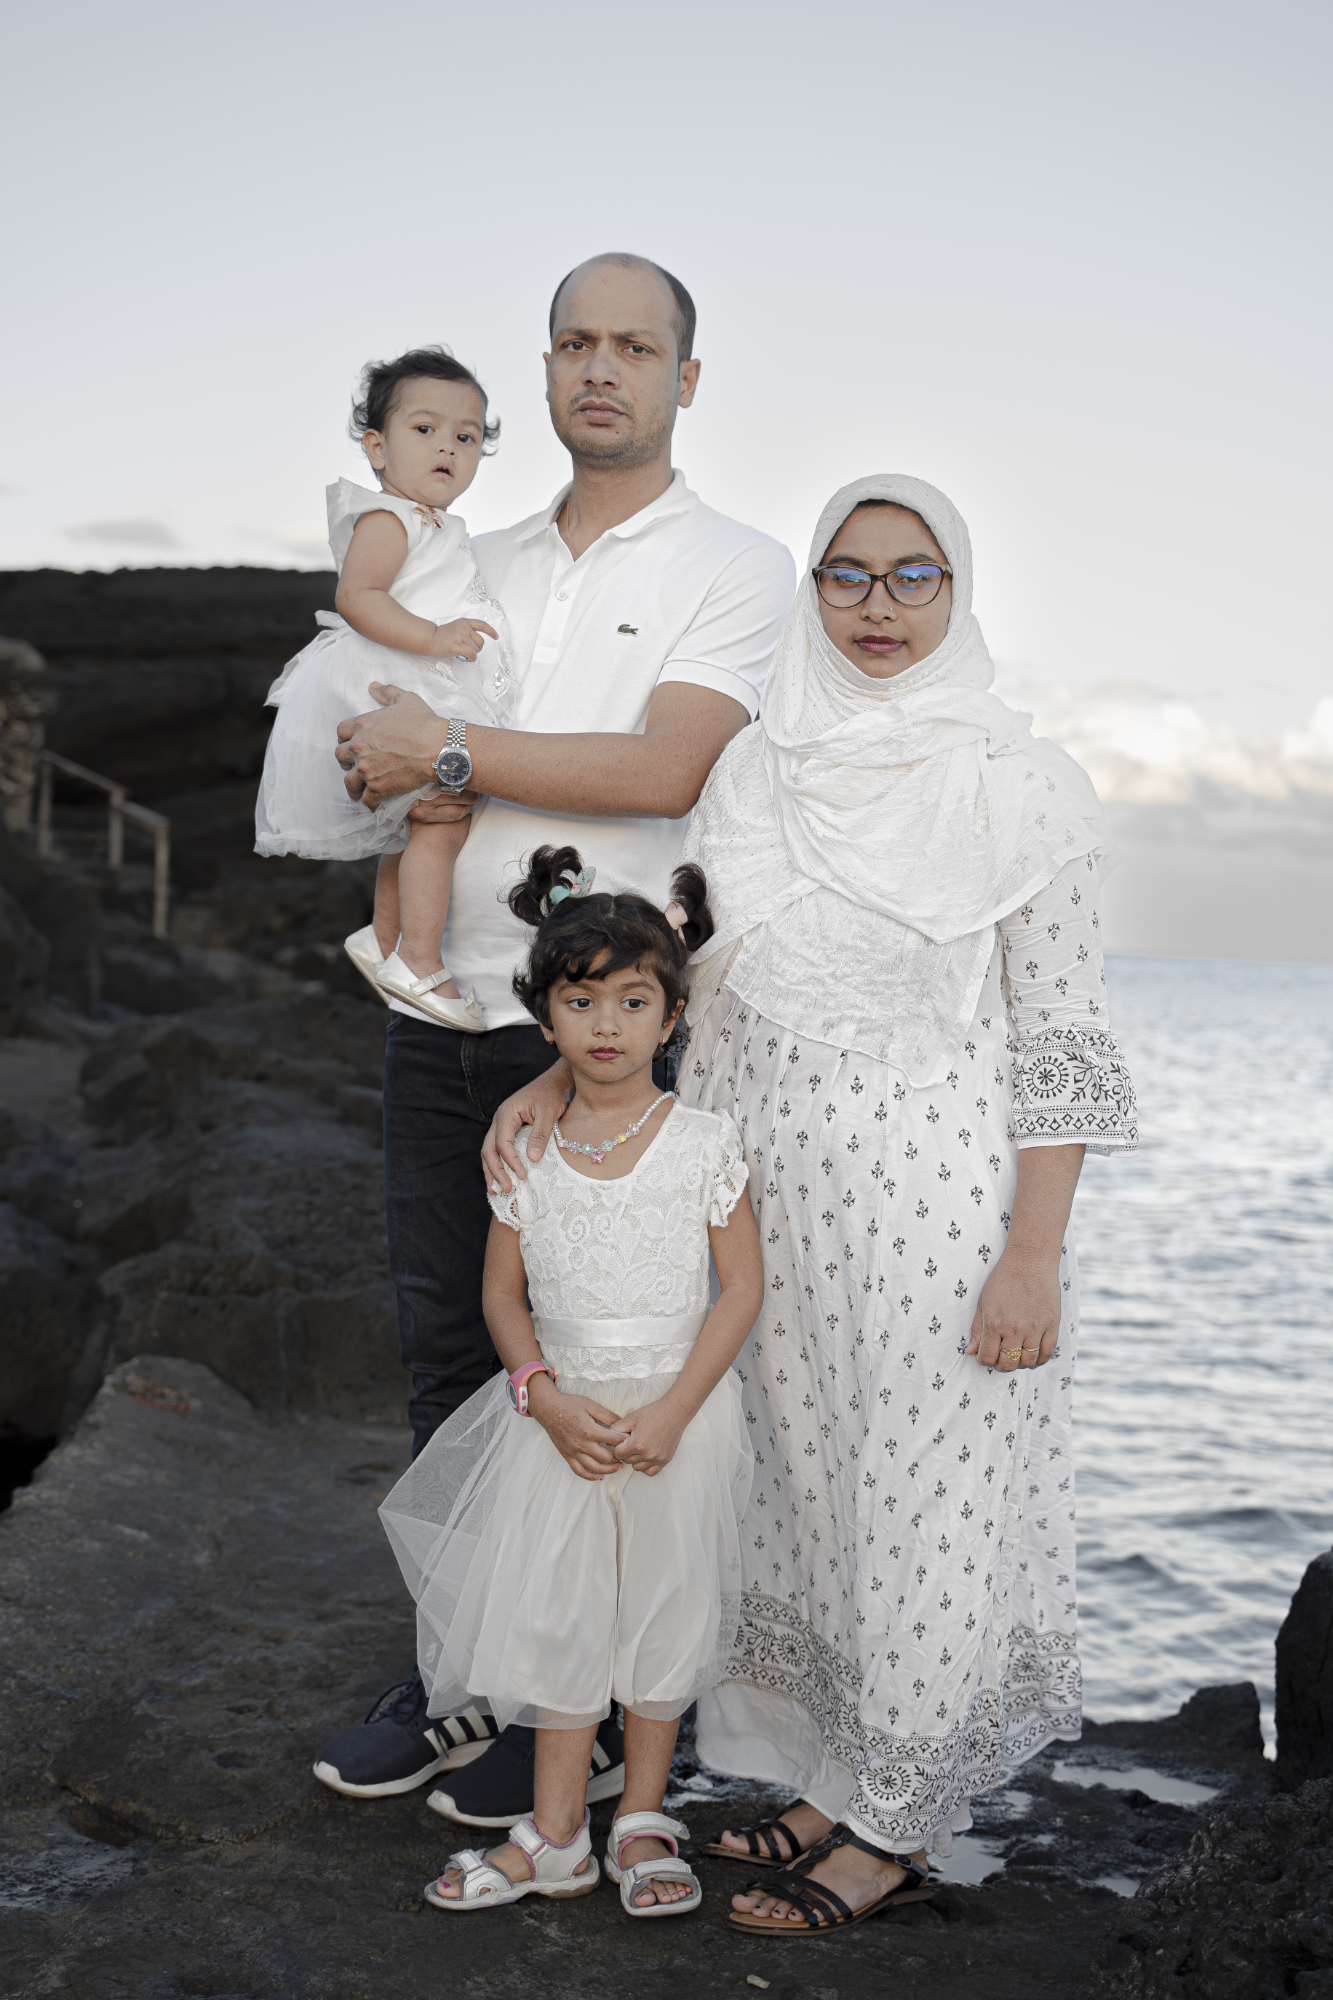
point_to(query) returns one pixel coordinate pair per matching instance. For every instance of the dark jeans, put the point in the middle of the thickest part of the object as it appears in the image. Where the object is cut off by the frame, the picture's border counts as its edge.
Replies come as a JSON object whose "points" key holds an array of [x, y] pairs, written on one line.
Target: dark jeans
{"points": [[441, 1090]]}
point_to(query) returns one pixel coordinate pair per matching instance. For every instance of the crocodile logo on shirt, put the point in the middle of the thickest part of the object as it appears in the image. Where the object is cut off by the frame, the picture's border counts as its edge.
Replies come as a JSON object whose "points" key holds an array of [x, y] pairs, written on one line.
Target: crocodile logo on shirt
{"points": [[633, 630]]}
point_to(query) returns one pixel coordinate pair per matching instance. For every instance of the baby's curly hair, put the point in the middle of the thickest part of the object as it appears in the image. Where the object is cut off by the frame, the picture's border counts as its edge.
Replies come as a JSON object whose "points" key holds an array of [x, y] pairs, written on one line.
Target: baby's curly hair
{"points": [[575, 930]]}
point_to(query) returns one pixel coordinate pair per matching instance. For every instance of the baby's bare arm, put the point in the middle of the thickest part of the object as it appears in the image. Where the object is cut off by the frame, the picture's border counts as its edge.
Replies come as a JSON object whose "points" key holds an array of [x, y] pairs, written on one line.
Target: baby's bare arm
{"points": [[377, 552]]}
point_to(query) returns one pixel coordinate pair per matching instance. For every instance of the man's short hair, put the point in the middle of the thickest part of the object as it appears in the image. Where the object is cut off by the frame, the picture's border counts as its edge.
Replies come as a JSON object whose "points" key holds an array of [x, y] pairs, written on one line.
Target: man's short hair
{"points": [[685, 313]]}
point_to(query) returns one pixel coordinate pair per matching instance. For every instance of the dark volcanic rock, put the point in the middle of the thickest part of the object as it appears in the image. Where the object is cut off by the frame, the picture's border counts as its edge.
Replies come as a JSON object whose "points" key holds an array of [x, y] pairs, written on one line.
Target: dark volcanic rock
{"points": [[48, 1313], [192, 1598], [232, 1204], [1244, 1914], [160, 675], [1305, 1678], [63, 909], [1224, 1718]]}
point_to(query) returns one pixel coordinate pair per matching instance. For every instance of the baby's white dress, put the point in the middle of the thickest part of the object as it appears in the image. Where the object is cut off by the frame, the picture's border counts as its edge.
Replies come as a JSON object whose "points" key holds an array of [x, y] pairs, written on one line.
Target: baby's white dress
{"points": [[302, 807], [546, 1596]]}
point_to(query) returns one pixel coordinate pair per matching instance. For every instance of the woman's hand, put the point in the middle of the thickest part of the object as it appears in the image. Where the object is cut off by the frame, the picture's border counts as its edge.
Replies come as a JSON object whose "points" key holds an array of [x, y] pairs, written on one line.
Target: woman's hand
{"points": [[461, 638], [583, 1432], [1017, 1321], [538, 1106], [653, 1434]]}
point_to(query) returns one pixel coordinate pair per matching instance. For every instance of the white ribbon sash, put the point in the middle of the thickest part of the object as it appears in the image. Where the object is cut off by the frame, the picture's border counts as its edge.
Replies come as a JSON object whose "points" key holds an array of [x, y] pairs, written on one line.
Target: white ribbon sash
{"points": [[680, 1330]]}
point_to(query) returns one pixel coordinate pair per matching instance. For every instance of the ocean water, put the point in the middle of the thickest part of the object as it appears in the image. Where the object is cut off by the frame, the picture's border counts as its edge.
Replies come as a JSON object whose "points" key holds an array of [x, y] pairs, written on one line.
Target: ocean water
{"points": [[1204, 1393]]}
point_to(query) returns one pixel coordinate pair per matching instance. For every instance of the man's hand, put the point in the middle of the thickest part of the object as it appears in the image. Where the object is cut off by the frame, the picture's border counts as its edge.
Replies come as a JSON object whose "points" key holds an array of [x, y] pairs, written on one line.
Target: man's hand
{"points": [[1017, 1321], [583, 1432], [392, 750], [539, 1106], [651, 1436]]}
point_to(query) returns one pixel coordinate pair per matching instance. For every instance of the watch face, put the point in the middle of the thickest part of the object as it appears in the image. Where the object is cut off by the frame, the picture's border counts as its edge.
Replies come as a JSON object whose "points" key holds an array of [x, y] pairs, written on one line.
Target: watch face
{"points": [[453, 768]]}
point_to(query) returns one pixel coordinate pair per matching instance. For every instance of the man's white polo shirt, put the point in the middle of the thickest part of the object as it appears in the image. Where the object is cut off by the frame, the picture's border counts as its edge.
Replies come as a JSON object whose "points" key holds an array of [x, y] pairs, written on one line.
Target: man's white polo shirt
{"points": [[676, 593]]}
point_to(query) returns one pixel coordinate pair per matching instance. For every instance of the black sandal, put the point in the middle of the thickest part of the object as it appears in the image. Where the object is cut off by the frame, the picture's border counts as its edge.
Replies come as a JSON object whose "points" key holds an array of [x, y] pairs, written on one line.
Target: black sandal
{"points": [[821, 1908], [765, 1831]]}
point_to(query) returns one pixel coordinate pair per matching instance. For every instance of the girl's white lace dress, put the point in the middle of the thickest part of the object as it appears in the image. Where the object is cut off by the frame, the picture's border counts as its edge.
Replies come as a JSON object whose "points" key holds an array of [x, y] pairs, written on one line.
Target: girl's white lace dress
{"points": [[545, 1596], [302, 806]]}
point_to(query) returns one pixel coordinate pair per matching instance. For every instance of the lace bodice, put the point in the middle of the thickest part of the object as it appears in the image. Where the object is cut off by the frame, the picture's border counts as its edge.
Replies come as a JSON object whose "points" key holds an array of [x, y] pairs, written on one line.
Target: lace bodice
{"points": [[632, 1248]]}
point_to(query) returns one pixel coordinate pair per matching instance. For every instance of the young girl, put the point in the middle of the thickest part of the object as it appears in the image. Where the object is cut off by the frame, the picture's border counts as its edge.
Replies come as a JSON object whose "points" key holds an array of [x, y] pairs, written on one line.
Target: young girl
{"points": [[570, 1534], [412, 612]]}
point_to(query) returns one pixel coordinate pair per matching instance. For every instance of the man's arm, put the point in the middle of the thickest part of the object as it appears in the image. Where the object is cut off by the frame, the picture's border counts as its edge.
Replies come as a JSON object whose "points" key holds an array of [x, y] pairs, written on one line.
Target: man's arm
{"points": [[658, 775]]}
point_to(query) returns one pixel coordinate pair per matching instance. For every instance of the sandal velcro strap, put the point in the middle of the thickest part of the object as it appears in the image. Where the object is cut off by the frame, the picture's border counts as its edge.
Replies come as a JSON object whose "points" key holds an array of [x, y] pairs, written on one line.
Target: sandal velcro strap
{"points": [[645, 1826]]}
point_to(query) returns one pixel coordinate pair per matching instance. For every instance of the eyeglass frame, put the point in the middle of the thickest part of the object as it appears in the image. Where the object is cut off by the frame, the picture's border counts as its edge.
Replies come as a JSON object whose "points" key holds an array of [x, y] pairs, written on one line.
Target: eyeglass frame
{"points": [[882, 577]]}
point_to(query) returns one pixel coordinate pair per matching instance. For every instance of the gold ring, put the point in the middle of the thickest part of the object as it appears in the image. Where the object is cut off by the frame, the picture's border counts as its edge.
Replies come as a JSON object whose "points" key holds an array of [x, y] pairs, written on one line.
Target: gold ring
{"points": [[1009, 1352]]}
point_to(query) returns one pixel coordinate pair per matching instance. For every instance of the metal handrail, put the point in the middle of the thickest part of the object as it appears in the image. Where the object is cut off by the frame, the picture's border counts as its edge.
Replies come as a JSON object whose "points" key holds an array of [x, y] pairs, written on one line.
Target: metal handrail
{"points": [[120, 807]]}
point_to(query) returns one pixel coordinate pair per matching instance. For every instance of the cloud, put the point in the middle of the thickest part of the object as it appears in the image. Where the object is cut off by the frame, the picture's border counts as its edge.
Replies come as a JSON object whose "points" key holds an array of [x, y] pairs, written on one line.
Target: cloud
{"points": [[1142, 745], [1225, 840], [137, 534]]}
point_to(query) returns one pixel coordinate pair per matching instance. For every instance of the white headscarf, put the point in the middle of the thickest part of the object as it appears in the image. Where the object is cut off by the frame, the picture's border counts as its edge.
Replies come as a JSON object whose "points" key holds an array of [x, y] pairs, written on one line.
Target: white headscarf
{"points": [[904, 816]]}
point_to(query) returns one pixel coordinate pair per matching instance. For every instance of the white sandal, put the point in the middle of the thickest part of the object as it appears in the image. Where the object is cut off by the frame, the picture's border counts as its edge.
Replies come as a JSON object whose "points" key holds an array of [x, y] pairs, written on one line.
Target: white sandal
{"points": [[651, 1826], [551, 1871], [398, 979], [363, 948]]}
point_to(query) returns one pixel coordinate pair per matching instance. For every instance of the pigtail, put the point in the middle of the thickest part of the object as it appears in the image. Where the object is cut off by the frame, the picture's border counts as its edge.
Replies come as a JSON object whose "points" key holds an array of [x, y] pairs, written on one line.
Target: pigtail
{"points": [[689, 888], [530, 900]]}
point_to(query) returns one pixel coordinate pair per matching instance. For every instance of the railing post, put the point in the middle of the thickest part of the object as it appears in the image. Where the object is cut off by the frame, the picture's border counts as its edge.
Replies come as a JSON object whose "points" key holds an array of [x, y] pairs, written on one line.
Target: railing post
{"points": [[115, 830], [161, 878], [45, 783]]}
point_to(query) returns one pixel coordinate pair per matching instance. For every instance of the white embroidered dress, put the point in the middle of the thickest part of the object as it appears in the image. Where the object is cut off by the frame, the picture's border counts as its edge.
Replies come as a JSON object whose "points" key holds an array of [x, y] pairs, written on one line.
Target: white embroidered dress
{"points": [[905, 989], [545, 1596], [302, 807]]}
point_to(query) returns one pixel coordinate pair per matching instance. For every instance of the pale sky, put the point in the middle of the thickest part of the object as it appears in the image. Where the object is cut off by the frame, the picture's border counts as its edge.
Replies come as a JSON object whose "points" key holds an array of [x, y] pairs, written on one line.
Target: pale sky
{"points": [[1068, 262]]}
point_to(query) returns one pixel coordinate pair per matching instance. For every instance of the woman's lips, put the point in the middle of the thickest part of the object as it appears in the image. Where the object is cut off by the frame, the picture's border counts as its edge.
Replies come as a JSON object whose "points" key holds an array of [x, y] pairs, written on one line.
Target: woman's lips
{"points": [[880, 645]]}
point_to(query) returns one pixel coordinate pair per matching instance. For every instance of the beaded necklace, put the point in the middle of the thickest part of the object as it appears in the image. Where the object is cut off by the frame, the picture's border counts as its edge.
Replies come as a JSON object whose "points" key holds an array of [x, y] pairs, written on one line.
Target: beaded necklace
{"points": [[599, 1153]]}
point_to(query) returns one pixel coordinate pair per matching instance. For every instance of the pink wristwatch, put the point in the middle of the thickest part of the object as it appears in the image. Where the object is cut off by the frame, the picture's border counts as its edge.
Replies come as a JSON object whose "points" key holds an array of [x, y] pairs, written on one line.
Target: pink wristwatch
{"points": [[517, 1385]]}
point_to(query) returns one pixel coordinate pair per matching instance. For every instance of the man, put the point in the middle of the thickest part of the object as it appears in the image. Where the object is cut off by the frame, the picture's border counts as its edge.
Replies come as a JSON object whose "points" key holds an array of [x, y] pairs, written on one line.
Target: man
{"points": [[643, 625]]}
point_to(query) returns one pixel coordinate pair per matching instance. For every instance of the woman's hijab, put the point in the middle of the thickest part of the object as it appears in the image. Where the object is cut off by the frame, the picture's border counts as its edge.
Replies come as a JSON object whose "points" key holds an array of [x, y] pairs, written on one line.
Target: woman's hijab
{"points": [[904, 816]]}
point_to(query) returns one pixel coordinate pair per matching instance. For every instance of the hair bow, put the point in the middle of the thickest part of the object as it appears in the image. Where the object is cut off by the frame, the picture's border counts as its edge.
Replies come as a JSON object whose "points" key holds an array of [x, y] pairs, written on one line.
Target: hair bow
{"points": [[584, 882], [676, 915]]}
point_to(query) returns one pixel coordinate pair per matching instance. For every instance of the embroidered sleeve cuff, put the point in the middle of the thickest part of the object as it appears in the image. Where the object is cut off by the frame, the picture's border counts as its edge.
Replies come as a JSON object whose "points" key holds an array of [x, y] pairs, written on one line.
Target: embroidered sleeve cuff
{"points": [[1072, 1087]]}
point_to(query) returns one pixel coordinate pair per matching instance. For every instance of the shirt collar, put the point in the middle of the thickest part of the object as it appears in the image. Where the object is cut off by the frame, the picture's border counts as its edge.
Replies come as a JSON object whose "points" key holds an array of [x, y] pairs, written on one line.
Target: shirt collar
{"points": [[677, 499]]}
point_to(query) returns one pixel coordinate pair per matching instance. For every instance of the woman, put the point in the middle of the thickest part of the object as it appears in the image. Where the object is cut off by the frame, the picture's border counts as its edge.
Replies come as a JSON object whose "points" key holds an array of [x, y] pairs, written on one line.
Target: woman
{"points": [[903, 1008], [910, 1028]]}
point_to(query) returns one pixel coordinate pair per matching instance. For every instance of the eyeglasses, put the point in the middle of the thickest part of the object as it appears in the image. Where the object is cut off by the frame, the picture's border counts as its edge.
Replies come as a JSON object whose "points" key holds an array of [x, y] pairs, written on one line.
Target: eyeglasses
{"points": [[843, 585]]}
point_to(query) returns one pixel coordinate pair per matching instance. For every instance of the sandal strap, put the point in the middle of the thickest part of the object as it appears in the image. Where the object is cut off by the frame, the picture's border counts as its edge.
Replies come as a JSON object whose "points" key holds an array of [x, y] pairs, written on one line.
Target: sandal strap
{"points": [[819, 1905], [669, 1868], [645, 1826], [846, 1836], [765, 1831], [430, 980], [476, 1873]]}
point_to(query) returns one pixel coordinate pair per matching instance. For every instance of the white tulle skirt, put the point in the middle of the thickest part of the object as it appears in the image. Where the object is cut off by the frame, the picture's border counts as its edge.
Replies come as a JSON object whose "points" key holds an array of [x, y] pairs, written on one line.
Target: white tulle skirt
{"points": [[545, 1597], [303, 807]]}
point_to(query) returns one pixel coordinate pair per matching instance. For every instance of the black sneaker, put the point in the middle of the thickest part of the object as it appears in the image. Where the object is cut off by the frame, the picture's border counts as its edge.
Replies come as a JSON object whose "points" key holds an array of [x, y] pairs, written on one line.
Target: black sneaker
{"points": [[497, 1789], [399, 1746]]}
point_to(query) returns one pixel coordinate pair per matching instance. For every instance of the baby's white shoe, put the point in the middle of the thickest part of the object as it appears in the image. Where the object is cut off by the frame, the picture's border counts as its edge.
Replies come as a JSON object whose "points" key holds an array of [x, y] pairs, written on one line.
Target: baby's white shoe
{"points": [[363, 948], [552, 1871], [398, 979]]}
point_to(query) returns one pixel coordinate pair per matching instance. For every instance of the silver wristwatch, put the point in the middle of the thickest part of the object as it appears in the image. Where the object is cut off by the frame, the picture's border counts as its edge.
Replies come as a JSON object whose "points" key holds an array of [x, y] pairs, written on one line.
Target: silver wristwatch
{"points": [[453, 766]]}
